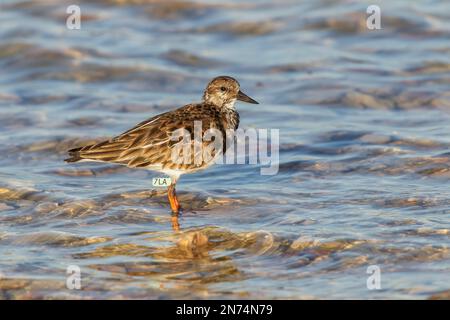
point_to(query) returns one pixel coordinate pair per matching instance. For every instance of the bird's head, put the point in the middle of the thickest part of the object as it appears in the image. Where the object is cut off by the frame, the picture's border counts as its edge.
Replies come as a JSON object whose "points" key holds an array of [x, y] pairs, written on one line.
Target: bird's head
{"points": [[223, 91]]}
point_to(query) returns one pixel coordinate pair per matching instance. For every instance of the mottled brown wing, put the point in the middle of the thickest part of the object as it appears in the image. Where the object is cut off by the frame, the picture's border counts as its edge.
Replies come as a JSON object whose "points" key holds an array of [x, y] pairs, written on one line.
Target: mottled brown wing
{"points": [[150, 143]]}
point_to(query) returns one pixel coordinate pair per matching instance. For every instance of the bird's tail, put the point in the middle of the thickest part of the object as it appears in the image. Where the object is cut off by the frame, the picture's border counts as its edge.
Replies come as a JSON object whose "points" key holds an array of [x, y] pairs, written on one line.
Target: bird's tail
{"points": [[74, 155], [104, 151]]}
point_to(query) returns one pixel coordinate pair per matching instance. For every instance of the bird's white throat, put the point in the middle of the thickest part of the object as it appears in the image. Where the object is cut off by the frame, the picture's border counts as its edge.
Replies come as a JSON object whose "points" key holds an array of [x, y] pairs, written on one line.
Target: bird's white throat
{"points": [[230, 105]]}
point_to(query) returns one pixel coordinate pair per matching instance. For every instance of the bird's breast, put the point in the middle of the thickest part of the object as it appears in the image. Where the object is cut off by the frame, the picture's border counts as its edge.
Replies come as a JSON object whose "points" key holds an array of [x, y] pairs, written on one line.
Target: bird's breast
{"points": [[231, 119]]}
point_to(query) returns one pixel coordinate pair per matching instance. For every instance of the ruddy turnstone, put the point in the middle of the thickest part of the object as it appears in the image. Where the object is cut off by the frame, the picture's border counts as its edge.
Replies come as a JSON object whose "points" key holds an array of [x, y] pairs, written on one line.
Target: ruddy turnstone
{"points": [[150, 144]]}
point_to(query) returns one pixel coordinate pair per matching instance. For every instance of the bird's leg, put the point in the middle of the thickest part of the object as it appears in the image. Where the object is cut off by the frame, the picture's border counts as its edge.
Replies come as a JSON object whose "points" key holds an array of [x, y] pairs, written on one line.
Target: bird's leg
{"points": [[174, 205]]}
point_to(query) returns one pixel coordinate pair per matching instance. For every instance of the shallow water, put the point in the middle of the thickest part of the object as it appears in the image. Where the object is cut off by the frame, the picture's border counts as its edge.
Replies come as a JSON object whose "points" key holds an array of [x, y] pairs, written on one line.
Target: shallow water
{"points": [[364, 150]]}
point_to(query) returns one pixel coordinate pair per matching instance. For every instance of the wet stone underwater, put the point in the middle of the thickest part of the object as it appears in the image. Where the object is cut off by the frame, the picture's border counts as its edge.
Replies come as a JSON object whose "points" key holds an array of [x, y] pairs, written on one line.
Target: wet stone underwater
{"points": [[364, 150]]}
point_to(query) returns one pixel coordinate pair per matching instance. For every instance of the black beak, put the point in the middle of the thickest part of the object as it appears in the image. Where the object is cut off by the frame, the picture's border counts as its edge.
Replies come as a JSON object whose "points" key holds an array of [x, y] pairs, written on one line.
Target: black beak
{"points": [[243, 97]]}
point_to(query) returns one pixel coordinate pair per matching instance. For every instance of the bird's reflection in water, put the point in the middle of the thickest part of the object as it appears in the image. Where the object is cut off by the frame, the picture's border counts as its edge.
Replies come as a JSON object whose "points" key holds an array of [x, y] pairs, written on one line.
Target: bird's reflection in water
{"points": [[175, 222]]}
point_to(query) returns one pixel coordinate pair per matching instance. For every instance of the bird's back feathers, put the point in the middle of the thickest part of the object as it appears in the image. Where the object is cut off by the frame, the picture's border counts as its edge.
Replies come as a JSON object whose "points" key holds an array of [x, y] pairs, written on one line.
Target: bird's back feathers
{"points": [[149, 144]]}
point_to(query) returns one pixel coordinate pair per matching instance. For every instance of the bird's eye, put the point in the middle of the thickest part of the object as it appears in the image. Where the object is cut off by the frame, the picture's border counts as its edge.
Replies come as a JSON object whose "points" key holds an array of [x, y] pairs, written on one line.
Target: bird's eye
{"points": [[223, 89]]}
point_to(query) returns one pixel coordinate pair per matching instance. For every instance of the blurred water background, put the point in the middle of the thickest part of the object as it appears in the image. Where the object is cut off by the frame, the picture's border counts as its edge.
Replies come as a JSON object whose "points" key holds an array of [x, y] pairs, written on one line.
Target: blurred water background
{"points": [[364, 150]]}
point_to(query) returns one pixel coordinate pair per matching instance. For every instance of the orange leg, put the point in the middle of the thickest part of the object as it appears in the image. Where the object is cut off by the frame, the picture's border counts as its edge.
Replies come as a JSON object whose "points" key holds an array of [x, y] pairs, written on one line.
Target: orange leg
{"points": [[175, 206]]}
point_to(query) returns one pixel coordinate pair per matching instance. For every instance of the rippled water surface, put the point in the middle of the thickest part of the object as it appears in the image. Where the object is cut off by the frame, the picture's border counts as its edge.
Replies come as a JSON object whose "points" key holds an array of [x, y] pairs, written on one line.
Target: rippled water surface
{"points": [[364, 119]]}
